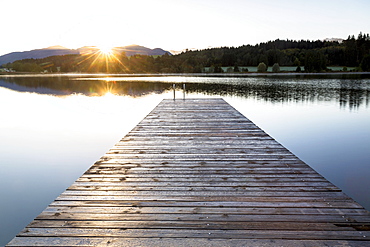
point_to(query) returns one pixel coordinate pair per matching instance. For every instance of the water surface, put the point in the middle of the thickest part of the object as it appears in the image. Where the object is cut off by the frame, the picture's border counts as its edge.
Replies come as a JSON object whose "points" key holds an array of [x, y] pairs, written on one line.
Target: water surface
{"points": [[52, 129]]}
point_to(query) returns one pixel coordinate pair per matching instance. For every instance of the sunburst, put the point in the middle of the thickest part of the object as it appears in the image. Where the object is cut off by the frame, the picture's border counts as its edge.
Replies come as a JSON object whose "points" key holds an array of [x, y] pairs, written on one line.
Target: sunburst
{"points": [[104, 59], [106, 50]]}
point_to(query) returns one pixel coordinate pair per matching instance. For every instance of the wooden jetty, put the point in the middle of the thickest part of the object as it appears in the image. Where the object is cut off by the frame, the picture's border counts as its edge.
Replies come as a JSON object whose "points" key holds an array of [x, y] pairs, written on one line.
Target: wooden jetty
{"points": [[196, 172]]}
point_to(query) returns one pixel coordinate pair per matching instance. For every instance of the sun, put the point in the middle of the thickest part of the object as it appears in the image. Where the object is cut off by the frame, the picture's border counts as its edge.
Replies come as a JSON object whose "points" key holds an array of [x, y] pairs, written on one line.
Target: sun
{"points": [[106, 50]]}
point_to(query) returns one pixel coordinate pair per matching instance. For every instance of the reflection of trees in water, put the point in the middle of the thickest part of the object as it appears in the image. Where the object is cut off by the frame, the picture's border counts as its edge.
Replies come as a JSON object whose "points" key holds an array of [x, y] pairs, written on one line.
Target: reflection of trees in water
{"points": [[353, 94], [352, 99], [65, 86], [348, 92]]}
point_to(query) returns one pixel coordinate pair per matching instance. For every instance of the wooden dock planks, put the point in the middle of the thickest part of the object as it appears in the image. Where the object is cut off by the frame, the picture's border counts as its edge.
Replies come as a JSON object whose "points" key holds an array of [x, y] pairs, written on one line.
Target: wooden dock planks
{"points": [[198, 173]]}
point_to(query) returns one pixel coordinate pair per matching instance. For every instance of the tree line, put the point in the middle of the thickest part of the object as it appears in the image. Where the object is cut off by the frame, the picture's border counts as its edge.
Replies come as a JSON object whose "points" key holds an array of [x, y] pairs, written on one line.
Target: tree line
{"points": [[314, 56]]}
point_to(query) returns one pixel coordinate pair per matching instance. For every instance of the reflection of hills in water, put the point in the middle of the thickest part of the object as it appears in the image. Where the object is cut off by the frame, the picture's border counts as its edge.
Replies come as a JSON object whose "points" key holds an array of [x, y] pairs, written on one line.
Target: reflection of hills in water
{"points": [[63, 86], [350, 93]]}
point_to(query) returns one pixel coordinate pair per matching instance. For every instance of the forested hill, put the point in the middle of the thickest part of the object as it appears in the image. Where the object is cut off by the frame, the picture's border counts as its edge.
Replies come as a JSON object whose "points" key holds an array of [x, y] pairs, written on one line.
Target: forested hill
{"points": [[315, 56], [60, 50], [286, 53]]}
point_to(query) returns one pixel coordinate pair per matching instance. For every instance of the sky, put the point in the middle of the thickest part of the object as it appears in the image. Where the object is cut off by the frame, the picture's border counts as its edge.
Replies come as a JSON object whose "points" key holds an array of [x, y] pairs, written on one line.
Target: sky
{"points": [[175, 24]]}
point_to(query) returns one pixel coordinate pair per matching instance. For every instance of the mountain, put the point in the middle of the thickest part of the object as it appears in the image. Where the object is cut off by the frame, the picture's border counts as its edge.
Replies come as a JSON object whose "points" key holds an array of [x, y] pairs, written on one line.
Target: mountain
{"points": [[137, 49], [39, 53], [60, 50], [130, 50]]}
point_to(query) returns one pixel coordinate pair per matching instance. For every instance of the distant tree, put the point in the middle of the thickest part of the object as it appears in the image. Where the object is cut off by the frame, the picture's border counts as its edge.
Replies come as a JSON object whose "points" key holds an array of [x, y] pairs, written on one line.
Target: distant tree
{"points": [[315, 61], [350, 52], [20, 66], [263, 59], [261, 68], [298, 69], [123, 62], [216, 69], [296, 62], [276, 68], [365, 63], [236, 69]]}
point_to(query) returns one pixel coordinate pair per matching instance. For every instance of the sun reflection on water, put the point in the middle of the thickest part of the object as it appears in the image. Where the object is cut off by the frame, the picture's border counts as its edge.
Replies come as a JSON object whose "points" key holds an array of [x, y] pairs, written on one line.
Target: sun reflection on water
{"points": [[108, 95]]}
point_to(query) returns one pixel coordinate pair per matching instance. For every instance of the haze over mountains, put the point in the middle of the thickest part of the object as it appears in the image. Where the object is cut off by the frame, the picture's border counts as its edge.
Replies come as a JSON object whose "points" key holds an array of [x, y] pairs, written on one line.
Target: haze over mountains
{"points": [[60, 50]]}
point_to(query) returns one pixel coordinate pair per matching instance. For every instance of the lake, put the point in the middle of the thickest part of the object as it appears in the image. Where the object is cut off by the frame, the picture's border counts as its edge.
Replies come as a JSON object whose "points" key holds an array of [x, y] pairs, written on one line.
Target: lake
{"points": [[53, 128]]}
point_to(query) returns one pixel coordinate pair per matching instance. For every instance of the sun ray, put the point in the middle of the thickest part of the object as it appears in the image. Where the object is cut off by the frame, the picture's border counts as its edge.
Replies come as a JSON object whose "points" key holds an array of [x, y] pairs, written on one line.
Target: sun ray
{"points": [[102, 60], [106, 50]]}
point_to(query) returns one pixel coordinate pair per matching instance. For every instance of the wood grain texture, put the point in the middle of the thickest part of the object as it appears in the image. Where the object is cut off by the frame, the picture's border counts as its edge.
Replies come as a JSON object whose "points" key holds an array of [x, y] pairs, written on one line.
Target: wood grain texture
{"points": [[199, 173]]}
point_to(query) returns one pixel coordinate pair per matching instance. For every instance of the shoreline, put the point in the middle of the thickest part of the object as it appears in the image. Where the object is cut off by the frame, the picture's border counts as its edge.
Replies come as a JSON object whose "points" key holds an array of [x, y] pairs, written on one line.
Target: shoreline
{"points": [[248, 74]]}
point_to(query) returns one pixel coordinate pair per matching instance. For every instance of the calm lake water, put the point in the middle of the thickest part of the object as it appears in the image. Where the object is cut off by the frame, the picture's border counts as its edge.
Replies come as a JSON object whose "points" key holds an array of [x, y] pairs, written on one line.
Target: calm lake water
{"points": [[52, 129]]}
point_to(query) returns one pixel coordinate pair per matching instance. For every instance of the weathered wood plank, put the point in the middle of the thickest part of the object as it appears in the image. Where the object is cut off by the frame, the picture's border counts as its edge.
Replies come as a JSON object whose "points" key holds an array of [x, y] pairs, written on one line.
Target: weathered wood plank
{"points": [[254, 181], [177, 224], [204, 188], [231, 218], [204, 183], [240, 193], [207, 210], [186, 172], [199, 198], [198, 173], [179, 242], [301, 177], [197, 233], [207, 203]]}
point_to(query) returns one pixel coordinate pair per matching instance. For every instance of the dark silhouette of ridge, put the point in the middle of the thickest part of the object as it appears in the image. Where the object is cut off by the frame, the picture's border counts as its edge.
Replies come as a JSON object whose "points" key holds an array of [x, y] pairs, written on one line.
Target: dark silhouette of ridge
{"points": [[60, 50]]}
